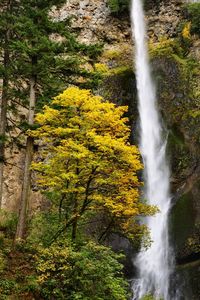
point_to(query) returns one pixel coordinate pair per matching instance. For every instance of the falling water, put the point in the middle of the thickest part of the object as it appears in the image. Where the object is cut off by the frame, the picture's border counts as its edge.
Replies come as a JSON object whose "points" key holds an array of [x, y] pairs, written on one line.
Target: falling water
{"points": [[154, 264], [192, 1]]}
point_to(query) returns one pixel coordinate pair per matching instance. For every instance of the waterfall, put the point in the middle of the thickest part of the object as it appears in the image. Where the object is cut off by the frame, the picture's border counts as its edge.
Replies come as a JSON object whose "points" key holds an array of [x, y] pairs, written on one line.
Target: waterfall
{"points": [[192, 1], [153, 264]]}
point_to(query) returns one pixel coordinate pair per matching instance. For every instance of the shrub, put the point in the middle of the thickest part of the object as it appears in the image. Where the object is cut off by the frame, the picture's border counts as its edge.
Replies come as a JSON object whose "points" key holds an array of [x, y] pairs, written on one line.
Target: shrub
{"points": [[150, 297], [117, 6], [87, 272], [2, 262], [7, 286], [43, 227], [8, 222], [192, 11]]}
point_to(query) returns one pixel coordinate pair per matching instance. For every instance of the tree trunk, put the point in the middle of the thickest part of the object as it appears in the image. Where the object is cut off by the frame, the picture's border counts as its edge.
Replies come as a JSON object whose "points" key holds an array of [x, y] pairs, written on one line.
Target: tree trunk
{"points": [[4, 105], [21, 226], [3, 116], [74, 226]]}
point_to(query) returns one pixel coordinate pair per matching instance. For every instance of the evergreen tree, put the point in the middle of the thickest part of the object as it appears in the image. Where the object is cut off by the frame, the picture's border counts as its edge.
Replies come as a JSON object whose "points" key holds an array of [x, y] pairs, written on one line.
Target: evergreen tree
{"points": [[5, 29], [41, 67], [37, 53]]}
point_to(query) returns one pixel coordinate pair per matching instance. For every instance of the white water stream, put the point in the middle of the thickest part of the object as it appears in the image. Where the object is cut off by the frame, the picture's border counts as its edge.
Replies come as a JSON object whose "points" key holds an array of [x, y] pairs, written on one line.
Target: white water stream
{"points": [[154, 264], [192, 1]]}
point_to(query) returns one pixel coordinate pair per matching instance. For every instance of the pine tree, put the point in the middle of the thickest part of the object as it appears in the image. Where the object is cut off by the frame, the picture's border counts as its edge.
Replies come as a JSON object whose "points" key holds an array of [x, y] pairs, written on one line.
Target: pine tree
{"points": [[5, 29], [43, 66]]}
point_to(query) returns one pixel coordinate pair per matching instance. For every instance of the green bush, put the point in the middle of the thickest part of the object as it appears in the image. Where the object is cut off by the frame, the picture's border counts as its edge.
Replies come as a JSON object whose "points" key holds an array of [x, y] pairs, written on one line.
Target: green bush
{"points": [[43, 227], [2, 262], [86, 272], [148, 297], [117, 6], [8, 223], [7, 286], [192, 11]]}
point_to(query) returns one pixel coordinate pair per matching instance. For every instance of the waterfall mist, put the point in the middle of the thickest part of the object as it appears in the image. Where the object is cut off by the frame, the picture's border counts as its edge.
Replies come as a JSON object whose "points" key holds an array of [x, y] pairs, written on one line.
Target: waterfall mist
{"points": [[154, 264]]}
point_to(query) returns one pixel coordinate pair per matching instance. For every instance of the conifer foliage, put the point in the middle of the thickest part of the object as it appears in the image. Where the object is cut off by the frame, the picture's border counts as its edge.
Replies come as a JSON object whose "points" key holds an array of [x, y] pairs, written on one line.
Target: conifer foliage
{"points": [[36, 66]]}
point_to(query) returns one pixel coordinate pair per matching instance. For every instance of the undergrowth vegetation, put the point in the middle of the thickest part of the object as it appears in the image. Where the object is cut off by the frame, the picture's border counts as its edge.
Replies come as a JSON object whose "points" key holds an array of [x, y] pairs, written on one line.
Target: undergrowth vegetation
{"points": [[118, 6], [192, 13], [84, 271]]}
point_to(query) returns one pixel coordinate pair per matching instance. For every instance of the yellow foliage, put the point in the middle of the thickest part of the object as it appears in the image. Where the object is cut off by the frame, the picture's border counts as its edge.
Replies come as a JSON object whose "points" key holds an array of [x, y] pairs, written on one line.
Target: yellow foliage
{"points": [[186, 31], [112, 54], [164, 46], [101, 68], [88, 157]]}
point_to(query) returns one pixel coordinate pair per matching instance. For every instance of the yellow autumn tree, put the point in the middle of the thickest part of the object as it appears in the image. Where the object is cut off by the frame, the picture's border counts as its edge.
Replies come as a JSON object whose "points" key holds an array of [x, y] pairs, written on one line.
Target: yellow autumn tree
{"points": [[87, 160]]}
